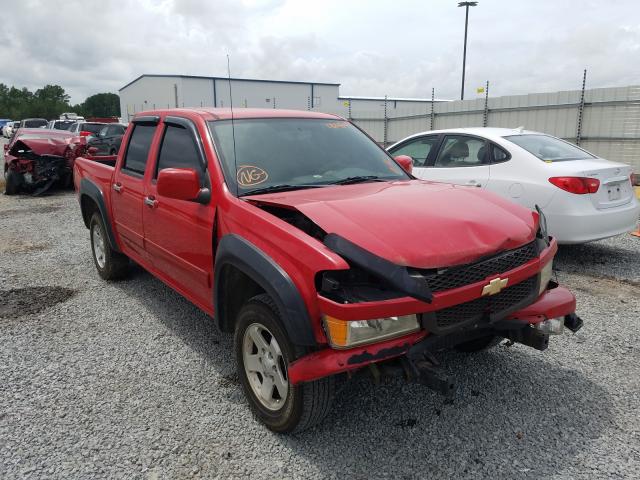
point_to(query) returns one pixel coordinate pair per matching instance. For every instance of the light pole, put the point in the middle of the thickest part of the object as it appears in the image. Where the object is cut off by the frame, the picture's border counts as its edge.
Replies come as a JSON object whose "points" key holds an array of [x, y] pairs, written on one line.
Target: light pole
{"points": [[464, 53]]}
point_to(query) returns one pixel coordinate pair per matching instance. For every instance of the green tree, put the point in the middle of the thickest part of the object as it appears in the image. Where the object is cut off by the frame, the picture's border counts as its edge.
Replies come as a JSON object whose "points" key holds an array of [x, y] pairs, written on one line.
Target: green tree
{"points": [[50, 101], [102, 105]]}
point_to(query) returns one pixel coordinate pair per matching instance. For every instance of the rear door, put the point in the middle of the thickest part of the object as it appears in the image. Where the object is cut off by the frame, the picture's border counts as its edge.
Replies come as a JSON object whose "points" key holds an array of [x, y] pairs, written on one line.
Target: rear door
{"points": [[178, 233], [461, 159], [128, 188], [114, 138], [100, 141]]}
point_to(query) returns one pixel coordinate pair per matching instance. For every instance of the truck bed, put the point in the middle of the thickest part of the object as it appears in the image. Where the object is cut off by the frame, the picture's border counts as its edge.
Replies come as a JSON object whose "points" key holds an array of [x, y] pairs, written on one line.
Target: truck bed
{"points": [[97, 169]]}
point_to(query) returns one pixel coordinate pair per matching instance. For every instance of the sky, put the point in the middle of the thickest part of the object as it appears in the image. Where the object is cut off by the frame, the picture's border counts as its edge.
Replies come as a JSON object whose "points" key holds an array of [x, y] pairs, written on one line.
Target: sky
{"points": [[401, 48]]}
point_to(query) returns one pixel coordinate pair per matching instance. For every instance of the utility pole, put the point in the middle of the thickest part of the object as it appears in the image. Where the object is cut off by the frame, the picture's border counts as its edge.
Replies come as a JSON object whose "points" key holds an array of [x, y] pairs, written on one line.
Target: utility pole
{"points": [[464, 52]]}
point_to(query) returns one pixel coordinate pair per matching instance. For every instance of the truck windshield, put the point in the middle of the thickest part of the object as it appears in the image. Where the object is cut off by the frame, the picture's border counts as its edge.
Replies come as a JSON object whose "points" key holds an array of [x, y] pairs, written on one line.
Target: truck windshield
{"points": [[549, 149], [290, 153]]}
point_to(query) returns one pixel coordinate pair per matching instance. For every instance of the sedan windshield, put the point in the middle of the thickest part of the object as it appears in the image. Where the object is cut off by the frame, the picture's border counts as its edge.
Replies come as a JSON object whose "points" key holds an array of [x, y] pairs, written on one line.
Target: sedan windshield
{"points": [[549, 149], [276, 154]]}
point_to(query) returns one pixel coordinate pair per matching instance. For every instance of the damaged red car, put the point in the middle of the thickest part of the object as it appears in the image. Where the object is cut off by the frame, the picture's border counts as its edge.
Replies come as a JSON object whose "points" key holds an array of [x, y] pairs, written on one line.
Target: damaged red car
{"points": [[36, 159], [322, 254]]}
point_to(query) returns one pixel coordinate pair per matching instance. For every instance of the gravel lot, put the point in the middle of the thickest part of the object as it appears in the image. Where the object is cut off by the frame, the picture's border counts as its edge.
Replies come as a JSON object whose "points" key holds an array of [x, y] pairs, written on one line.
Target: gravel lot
{"points": [[128, 380]]}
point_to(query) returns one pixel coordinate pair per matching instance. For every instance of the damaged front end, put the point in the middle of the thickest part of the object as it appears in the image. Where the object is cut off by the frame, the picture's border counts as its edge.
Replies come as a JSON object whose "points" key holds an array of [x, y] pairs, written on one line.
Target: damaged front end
{"points": [[30, 172]]}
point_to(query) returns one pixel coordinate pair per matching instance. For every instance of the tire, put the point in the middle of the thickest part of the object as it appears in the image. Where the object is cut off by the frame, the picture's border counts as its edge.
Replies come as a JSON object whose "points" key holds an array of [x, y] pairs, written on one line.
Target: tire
{"points": [[478, 344], [111, 265], [13, 182], [304, 405]]}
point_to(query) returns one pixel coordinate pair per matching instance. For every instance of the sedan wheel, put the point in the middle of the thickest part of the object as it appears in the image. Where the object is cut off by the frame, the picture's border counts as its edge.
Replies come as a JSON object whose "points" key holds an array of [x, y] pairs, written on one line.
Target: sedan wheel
{"points": [[265, 366]]}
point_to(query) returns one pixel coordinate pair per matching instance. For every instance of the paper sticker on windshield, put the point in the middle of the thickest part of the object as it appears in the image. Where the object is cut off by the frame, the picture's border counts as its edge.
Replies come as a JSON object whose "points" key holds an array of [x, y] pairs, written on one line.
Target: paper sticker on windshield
{"points": [[248, 175], [337, 124]]}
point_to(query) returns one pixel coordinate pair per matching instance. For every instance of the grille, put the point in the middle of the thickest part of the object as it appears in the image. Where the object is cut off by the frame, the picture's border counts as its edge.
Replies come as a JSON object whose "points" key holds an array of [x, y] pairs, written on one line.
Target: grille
{"points": [[475, 272], [496, 306]]}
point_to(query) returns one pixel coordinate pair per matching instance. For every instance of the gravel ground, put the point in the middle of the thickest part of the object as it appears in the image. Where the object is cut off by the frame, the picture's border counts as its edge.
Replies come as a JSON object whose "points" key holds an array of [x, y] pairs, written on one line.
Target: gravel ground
{"points": [[128, 380]]}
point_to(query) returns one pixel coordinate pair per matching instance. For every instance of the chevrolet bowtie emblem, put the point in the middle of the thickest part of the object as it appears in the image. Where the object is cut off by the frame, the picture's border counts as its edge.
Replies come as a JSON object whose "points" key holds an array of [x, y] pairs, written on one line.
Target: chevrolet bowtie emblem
{"points": [[494, 286]]}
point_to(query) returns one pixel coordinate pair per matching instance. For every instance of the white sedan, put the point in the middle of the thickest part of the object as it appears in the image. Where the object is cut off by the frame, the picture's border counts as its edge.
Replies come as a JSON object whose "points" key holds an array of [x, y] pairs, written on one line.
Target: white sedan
{"points": [[584, 197]]}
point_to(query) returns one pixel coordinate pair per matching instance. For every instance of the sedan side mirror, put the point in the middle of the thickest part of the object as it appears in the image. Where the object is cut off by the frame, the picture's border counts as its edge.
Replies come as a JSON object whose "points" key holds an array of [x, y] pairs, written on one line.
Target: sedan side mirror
{"points": [[6, 147], [406, 162], [92, 150], [182, 184]]}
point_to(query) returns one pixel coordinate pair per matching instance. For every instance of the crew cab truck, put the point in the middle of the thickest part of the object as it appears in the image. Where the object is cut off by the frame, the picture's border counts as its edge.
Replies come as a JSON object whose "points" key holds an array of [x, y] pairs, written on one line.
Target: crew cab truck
{"points": [[320, 252]]}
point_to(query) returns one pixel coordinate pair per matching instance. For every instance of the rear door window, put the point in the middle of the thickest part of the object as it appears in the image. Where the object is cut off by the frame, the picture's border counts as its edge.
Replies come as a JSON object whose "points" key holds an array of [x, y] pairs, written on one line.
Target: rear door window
{"points": [[135, 159], [178, 150], [499, 155], [462, 151]]}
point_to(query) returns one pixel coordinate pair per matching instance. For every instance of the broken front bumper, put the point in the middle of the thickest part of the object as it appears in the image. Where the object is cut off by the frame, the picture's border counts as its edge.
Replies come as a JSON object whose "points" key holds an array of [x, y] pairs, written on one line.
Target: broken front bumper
{"points": [[553, 303]]}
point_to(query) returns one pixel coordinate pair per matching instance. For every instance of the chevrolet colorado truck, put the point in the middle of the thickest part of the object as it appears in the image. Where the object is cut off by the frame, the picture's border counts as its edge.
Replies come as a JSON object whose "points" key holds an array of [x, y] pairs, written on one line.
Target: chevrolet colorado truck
{"points": [[321, 253]]}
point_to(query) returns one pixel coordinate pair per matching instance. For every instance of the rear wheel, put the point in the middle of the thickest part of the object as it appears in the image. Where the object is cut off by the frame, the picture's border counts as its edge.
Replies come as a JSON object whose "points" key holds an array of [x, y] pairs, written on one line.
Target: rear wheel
{"points": [[110, 264], [263, 354], [13, 182]]}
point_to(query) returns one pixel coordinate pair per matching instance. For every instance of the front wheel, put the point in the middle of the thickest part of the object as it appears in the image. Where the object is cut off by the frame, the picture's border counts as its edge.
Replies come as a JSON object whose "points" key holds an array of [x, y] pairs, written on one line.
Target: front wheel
{"points": [[263, 353], [110, 264], [13, 182]]}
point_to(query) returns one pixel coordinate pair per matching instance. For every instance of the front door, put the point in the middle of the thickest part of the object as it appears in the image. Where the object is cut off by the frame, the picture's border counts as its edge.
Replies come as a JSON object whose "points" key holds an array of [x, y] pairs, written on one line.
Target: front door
{"points": [[127, 194], [178, 233]]}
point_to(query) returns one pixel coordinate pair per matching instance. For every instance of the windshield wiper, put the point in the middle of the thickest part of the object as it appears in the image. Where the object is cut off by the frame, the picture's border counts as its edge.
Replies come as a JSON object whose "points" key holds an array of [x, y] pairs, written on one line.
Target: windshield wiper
{"points": [[358, 179], [279, 188]]}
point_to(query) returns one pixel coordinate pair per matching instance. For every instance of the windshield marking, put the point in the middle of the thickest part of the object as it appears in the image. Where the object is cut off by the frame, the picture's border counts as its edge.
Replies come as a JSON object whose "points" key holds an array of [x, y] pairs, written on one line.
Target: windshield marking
{"points": [[250, 175]]}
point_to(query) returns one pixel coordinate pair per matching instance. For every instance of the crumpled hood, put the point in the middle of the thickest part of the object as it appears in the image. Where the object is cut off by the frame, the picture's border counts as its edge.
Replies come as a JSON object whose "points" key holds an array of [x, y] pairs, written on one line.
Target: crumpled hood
{"points": [[42, 146], [414, 223]]}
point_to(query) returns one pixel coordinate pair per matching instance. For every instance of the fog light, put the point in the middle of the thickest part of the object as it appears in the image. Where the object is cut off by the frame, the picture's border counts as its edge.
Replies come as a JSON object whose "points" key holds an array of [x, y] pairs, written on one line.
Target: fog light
{"points": [[346, 334], [545, 276], [553, 326]]}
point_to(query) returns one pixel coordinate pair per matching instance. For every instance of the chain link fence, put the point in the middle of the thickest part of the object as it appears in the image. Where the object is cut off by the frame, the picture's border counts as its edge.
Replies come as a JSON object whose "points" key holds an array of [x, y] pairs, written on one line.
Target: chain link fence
{"points": [[605, 121]]}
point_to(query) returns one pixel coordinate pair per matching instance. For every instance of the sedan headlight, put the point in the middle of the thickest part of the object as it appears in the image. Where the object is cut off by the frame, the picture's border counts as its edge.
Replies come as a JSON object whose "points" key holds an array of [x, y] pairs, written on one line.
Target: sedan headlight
{"points": [[545, 276], [346, 334]]}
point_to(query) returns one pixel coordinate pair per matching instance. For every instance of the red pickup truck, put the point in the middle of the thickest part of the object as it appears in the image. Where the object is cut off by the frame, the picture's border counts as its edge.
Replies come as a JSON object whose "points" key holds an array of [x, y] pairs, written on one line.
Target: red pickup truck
{"points": [[323, 254]]}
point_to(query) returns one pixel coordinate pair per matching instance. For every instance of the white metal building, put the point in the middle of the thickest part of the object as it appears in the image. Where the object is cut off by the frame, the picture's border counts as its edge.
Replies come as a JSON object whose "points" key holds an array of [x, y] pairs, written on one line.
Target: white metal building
{"points": [[169, 91]]}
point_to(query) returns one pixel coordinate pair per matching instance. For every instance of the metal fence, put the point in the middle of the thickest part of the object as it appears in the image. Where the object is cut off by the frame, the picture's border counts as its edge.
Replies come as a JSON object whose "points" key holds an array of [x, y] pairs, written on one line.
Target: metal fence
{"points": [[605, 121]]}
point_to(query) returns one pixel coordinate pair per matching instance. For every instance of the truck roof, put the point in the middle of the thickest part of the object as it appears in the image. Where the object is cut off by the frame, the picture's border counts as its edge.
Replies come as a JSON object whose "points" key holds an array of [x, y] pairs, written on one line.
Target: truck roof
{"points": [[225, 113]]}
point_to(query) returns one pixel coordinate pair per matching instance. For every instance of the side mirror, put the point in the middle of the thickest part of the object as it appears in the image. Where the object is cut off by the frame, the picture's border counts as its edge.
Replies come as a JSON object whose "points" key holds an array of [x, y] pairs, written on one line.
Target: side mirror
{"points": [[92, 150], [6, 147], [406, 162], [182, 184]]}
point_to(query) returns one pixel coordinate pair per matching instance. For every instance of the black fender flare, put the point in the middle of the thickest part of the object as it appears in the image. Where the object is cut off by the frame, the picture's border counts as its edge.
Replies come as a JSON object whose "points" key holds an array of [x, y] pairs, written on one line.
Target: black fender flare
{"points": [[91, 190], [238, 252]]}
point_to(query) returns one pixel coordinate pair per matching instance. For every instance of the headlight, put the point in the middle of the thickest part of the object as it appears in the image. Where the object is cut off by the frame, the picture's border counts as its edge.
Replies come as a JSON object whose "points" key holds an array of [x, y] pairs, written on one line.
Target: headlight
{"points": [[545, 276], [542, 222], [346, 334]]}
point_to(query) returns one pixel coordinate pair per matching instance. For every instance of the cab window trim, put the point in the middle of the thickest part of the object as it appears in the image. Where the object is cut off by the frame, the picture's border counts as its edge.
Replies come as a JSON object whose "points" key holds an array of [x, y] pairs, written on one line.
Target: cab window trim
{"points": [[130, 171], [190, 127]]}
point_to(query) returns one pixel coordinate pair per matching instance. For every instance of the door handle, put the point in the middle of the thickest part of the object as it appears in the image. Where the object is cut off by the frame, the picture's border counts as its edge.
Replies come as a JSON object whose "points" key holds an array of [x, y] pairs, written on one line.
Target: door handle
{"points": [[473, 183], [150, 201], [117, 187]]}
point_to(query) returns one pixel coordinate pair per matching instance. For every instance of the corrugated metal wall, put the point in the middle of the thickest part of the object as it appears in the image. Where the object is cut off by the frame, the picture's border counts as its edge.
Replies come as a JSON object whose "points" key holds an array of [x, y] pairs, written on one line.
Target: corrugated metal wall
{"points": [[610, 123]]}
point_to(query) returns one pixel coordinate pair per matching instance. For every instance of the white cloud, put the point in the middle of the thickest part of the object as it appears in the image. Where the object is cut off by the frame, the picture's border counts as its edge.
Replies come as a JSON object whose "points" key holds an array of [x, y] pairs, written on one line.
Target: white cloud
{"points": [[371, 47]]}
